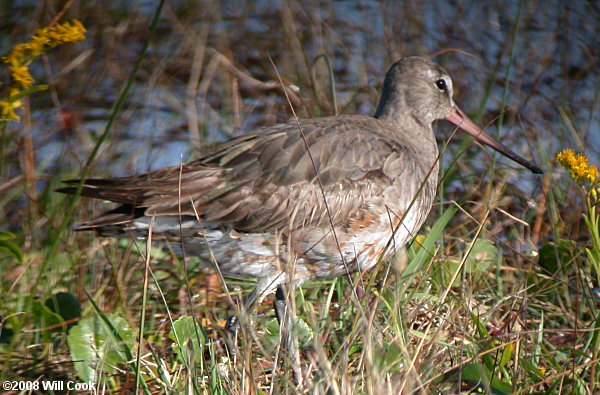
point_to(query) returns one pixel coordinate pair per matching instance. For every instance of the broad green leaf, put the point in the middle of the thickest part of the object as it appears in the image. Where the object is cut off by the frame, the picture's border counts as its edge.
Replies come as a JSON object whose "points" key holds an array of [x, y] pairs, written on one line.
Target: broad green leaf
{"points": [[6, 334], [93, 347], [553, 256], [66, 305], [45, 318], [302, 331], [187, 331], [392, 357], [481, 256], [475, 375]]}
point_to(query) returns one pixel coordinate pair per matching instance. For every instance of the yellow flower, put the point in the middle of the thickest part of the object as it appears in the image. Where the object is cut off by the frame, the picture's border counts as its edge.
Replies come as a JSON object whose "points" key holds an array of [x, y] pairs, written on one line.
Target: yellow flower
{"points": [[52, 36], [21, 56], [578, 166], [22, 76], [7, 110], [43, 40]]}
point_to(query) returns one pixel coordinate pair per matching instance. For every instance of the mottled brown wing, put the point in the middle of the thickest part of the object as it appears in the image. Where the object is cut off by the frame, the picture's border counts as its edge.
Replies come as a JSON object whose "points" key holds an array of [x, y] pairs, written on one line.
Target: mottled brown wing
{"points": [[266, 180]]}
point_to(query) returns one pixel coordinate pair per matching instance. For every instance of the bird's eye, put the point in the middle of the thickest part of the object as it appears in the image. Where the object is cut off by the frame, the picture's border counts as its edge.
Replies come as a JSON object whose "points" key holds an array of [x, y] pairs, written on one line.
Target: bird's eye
{"points": [[441, 84]]}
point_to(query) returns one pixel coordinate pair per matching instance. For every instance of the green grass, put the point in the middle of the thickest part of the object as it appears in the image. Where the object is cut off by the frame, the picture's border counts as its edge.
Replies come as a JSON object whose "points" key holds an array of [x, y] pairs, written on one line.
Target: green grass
{"points": [[496, 292]]}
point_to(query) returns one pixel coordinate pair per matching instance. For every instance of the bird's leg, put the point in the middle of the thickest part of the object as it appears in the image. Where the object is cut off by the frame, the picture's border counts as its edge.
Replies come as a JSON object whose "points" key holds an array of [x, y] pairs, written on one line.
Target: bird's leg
{"points": [[286, 330], [264, 286], [233, 322], [281, 309]]}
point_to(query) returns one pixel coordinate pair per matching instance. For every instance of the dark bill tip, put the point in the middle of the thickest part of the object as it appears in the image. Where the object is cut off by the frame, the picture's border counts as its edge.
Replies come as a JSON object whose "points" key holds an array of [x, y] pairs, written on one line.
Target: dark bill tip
{"points": [[458, 118]]}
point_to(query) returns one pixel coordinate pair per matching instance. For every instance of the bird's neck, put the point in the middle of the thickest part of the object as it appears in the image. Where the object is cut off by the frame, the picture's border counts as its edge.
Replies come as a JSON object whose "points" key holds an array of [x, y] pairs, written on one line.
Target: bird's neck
{"points": [[410, 129]]}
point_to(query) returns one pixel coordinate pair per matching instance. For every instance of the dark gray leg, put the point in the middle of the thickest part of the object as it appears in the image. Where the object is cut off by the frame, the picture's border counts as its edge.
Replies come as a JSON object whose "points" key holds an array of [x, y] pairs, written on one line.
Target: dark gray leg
{"points": [[233, 322], [286, 331], [264, 286], [280, 306]]}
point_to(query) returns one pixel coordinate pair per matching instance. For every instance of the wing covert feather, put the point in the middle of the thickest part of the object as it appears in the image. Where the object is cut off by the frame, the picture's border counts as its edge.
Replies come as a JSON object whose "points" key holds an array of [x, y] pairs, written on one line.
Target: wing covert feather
{"points": [[266, 180]]}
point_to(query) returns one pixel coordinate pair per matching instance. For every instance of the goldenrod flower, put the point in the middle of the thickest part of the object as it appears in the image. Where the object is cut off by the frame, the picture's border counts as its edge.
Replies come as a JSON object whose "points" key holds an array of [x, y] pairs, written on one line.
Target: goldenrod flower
{"points": [[44, 39], [7, 110], [23, 54], [578, 166], [22, 76]]}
